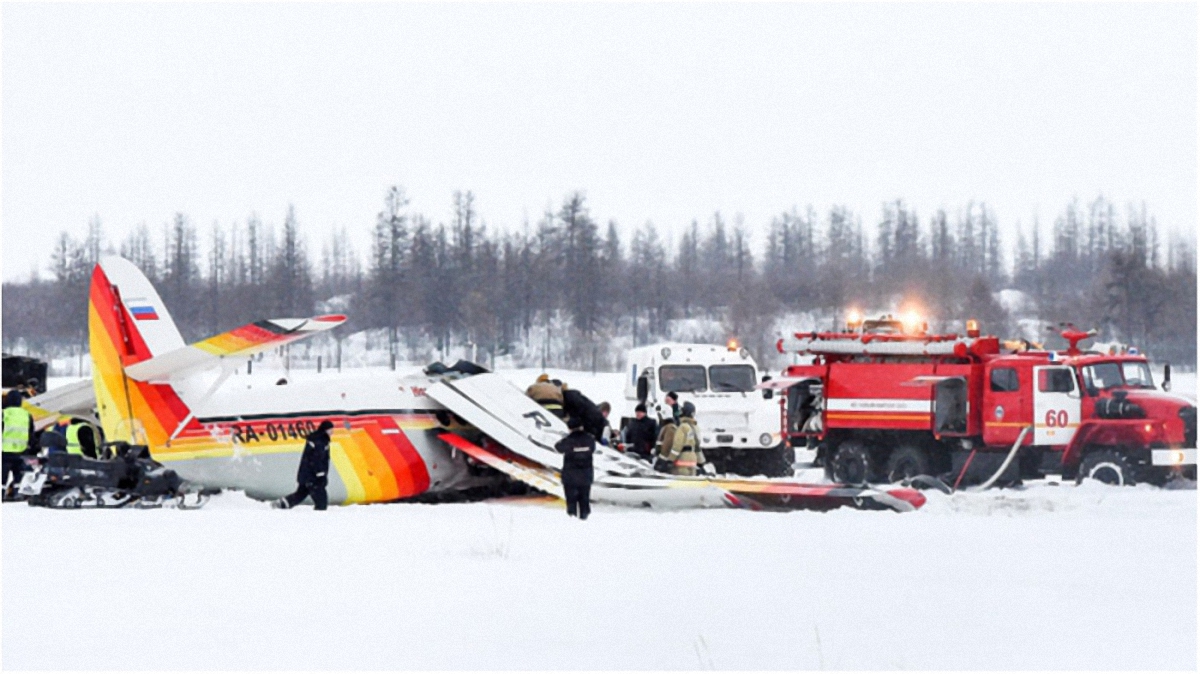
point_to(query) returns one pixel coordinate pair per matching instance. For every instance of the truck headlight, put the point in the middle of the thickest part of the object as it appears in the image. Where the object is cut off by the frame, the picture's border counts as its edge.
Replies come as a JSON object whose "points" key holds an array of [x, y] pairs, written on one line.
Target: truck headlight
{"points": [[765, 439]]}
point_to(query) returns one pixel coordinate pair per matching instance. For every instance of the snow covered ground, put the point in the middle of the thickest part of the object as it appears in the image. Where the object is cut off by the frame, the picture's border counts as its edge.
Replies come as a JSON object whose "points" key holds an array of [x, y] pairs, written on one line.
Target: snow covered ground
{"points": [[1051, 577], [1048, 577]]}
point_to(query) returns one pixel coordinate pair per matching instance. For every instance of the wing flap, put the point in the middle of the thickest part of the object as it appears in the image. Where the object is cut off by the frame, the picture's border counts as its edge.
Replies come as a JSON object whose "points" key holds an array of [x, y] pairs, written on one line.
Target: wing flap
{"points": [[533, 475]]}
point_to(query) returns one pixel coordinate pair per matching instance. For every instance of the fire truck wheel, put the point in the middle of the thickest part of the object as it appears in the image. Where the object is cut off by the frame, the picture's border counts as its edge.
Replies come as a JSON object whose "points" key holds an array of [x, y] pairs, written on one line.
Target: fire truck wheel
{"points": [[1108, 466], [907, 461], [777, 461], [852, 463]]}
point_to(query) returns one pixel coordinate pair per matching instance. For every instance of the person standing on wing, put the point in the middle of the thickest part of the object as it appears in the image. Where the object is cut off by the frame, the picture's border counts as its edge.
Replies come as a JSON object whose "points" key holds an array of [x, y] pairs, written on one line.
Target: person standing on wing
{"points": [[547, 394], [313, 475], [577, 449]]}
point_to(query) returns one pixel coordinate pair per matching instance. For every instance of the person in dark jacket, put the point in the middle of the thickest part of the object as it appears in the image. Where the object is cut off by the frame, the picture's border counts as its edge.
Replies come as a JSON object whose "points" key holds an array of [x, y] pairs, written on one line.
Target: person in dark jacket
{"points": [[313, 475], [577, 449], [577, 405], [641, 433], [671, 400]]}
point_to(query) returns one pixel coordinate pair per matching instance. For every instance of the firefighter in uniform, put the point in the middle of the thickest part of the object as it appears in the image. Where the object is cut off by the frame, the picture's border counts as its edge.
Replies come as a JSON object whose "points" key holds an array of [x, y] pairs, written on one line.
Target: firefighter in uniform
{"points": [[18, 431], [577, 449], [662, 448], [313, 474], [546, 394], [685, 455]]}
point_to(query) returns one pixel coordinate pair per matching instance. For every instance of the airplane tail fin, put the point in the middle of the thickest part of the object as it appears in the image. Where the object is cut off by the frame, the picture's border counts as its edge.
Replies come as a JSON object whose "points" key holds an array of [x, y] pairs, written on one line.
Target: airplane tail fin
{"points": [[128, 324], [137, 352]]}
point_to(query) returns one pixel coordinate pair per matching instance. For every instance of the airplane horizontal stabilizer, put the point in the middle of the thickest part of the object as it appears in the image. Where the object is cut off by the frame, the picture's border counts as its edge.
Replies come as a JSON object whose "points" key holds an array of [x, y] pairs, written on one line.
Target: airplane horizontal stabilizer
{"points": [[242, 342], [77, 399]]}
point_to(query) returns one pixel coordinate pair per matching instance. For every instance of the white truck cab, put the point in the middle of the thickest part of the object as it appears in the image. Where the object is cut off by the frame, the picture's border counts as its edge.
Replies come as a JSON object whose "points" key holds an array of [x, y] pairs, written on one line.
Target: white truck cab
{"points": [[739, 426]]}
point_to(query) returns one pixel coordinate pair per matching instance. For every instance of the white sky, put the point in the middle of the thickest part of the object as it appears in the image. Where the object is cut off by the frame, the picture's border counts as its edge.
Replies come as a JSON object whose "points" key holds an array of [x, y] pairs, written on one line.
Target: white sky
{"points": [[662, 112]]}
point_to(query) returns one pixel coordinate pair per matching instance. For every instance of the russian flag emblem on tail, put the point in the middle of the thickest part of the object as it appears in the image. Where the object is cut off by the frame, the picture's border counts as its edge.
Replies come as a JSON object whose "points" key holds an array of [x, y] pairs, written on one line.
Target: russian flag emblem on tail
{"points": [[143, 312]]}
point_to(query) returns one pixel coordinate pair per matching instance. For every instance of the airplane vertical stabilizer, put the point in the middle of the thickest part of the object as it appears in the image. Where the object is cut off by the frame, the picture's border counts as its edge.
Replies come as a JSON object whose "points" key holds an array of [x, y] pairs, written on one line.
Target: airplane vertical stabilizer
{"points": [[127, 324]]}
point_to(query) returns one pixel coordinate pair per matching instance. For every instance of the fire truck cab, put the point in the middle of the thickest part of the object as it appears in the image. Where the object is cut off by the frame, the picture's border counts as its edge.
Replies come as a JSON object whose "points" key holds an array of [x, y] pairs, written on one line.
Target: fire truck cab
{"points": [[886, 402]]}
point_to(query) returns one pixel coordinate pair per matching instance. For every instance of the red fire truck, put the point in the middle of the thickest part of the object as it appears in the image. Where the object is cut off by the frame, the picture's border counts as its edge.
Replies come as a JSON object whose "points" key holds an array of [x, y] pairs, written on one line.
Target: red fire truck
{"points": [[885, 401]]}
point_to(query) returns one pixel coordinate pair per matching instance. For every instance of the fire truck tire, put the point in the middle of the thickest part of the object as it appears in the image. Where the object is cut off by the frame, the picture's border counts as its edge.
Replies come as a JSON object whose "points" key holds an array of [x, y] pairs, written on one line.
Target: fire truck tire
{"points": [[852, 464], [777, 461], [1108, 466], [908, 461]]}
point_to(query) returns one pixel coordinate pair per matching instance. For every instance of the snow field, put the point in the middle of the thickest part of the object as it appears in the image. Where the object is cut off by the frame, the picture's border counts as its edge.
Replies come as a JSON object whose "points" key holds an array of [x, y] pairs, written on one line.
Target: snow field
{"points": [[1051, 577]]}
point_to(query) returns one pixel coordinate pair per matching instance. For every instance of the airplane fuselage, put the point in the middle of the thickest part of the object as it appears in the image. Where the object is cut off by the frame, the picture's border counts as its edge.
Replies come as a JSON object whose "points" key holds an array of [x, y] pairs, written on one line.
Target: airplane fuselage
{"points": [[249, 432]]}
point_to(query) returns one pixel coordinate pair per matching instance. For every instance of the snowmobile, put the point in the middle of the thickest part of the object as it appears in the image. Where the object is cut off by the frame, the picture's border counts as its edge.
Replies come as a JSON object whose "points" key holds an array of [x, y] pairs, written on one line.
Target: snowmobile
{"points": [[129, 478]]}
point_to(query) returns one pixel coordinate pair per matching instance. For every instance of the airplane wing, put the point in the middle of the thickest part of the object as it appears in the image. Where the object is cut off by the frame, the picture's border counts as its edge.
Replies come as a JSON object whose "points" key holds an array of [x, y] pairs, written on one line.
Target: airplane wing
{"points": [[527, 433], [242, 342], [498, 408]]}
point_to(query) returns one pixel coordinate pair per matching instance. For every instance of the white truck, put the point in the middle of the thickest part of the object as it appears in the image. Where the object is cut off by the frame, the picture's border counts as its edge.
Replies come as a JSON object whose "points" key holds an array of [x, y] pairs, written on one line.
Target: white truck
{"points": [[739, 426]]}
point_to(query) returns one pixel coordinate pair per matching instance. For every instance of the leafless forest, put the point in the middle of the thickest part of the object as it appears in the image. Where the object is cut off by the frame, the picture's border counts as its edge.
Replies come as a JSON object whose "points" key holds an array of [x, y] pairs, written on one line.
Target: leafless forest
{"points": [[452, 281]]}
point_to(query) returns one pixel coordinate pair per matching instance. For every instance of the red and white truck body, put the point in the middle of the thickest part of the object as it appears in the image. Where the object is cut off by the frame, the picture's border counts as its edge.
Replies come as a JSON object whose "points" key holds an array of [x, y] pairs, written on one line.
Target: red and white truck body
{"points": [[881, 406]]}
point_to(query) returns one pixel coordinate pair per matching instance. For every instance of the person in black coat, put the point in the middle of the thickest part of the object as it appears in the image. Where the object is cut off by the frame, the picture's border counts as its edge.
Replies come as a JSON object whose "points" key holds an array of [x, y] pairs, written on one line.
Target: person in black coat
{"points": [[577, 405], [641, 433], [577, 449], [313, 475]]}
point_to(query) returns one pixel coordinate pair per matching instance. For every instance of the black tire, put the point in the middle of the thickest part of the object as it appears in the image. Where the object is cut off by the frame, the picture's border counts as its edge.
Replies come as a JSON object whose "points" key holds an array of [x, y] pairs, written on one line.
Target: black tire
{"points": [[908, 461], [1108, 466], [852, 464], [777, 461]]}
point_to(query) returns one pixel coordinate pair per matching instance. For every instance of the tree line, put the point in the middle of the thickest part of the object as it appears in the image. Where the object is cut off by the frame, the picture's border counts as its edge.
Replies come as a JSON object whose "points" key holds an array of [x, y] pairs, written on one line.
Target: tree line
{"points": [[459, 281]]}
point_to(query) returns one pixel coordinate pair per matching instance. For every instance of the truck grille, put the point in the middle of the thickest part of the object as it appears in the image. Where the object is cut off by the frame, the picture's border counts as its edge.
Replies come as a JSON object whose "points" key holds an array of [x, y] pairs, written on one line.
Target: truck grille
{"points": [[1188, 414], [724, 438]]}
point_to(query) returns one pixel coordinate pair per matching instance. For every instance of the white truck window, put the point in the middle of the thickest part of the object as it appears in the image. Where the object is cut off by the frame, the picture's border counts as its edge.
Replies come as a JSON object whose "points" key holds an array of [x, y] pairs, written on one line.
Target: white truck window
{"points": [[732, 378], [682, 378]]}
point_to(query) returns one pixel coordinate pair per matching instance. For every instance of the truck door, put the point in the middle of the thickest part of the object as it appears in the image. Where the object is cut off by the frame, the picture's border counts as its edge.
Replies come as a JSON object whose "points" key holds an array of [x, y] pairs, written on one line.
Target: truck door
{"points": [[1056, 405], [950, 407], [1006, 402]]}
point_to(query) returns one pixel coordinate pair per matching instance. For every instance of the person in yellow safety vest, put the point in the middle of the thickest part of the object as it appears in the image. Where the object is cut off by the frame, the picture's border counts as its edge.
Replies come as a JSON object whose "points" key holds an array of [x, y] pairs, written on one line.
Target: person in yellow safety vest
{"points": [[81, 439], [546, 394], [685, 455], [18, 432]]}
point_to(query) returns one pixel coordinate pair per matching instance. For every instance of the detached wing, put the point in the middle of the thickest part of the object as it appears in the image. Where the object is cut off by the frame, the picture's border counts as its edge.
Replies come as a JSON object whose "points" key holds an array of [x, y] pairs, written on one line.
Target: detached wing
{"points": [[242, 342]]}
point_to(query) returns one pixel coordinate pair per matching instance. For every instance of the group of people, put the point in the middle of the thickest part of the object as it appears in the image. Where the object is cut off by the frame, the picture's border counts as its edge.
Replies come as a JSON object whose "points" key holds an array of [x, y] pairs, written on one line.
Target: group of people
{"points": [[68, 435], [672, 444]]}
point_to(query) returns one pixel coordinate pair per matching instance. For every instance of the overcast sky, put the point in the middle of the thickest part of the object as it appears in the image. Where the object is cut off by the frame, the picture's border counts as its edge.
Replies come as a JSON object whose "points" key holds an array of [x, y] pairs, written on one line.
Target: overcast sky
{"points": [[662, 112]]}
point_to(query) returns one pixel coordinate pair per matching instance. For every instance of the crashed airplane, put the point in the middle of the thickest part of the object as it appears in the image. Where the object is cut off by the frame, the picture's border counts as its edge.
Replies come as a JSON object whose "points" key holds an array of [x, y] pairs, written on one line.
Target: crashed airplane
{"points": [[395, 437]]}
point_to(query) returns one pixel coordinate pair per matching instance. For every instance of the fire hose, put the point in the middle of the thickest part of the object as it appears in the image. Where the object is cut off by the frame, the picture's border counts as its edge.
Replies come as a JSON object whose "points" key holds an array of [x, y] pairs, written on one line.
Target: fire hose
{"points": [[1004, 466]]}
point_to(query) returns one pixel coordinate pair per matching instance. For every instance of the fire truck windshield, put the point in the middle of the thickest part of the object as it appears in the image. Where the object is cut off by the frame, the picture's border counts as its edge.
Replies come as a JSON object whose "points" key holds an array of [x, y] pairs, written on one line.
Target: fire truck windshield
{"points": [[1103, 376], [682, 378], [1137, 375], [731, 378]]}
